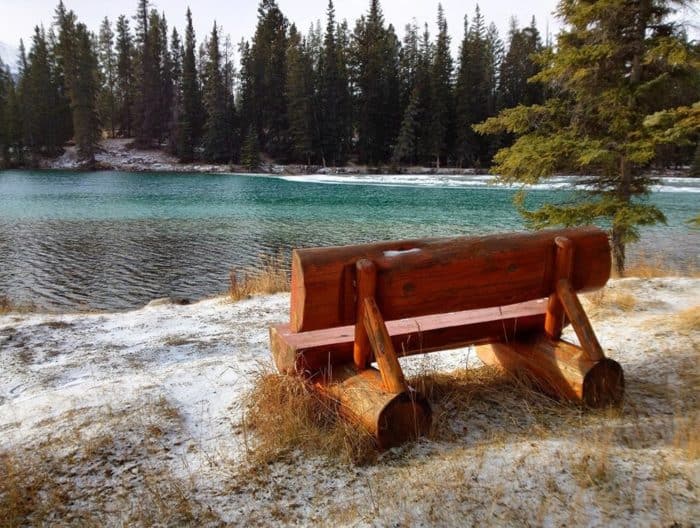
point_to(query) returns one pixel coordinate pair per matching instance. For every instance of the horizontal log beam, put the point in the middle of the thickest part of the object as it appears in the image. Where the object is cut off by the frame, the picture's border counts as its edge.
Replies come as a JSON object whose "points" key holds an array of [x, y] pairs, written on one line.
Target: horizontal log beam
{"points": [[309, 352], [560, 369], [389, 417], [429, 276]]}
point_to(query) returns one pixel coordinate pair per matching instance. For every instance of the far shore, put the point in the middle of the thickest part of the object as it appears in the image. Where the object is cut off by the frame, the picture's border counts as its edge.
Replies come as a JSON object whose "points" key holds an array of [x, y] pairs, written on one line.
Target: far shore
{"points": [[120, 155]]}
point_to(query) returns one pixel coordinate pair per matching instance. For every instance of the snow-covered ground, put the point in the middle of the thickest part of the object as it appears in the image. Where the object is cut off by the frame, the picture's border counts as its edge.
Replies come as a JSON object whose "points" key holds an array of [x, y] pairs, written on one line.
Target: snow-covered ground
{"points": [[135, 419]]}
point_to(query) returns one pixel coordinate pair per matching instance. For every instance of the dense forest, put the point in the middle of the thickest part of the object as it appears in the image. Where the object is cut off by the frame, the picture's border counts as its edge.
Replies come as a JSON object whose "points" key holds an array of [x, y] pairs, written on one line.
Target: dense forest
{"points": [[326, 97]]}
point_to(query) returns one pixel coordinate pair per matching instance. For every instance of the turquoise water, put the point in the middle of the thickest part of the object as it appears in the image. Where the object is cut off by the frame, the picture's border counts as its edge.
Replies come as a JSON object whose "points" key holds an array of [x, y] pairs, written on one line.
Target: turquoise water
{"points": [[112, 240]]}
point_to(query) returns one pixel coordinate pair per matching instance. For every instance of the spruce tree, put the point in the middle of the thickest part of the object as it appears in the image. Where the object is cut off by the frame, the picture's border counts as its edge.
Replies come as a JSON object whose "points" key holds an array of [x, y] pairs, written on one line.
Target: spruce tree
{"points": [[442, 110], [216, 141], [190, 125], [376, 69], [301, 97], [83, 89], [108, 70], [43, 128], [333, 96], [268, 71], [250, 151], [616, 63], [125, 78]]}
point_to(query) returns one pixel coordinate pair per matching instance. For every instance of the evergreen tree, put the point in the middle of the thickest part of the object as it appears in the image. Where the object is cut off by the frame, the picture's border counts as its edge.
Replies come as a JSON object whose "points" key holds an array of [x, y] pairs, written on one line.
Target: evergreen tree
{"points": [[125, 77], [376, 79], [475, 90], [190, 126], [5, 81], [43, 128], [217, 144], [518, 66], [333, 96], [616, 63], [147, 110], [268, 61], [108, 70], [83, 89], [301, 97], [250, 151], [406, 144], [442, 109]]}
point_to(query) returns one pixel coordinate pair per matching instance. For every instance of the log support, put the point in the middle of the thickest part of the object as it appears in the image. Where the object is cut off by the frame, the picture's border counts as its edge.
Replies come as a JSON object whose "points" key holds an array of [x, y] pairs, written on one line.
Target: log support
{"points": [[560, 369]]}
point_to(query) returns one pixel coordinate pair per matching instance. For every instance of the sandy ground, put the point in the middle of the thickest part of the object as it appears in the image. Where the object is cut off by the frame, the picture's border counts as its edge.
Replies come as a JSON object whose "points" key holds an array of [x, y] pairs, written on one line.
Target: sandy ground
{"points": [[135, 418]]}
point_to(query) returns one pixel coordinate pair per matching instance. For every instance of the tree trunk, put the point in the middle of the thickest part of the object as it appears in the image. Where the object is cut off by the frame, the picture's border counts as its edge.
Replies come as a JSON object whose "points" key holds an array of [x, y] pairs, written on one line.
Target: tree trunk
{"points": [[620, 230]]}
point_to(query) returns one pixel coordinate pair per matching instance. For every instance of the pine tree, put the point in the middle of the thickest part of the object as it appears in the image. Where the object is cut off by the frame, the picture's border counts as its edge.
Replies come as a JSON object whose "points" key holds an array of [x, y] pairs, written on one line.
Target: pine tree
{"points": [[376, 72], [616, 63], [268, 61], [406, 144], [333, 96], [518, 66], [108, 70], [125, 78], [83, 89], [41, 116], [250, 151], [217, 143], [442, 110], [475, 90], [301, 97], [190, 126], [147, 109]]}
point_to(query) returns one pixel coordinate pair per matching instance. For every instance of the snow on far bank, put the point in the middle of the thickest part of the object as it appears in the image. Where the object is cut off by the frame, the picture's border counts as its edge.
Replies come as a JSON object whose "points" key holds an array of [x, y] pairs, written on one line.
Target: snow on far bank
{"points": [[159, 389]]}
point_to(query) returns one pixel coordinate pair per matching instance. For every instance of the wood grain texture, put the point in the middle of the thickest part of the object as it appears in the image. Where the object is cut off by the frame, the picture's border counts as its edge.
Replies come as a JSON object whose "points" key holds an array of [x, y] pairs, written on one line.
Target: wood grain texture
{"points": [[383, 348], [554, 320], [430, 276], [390, 418], [308, 352], [366, 286], [579, 321], [561, 369]]}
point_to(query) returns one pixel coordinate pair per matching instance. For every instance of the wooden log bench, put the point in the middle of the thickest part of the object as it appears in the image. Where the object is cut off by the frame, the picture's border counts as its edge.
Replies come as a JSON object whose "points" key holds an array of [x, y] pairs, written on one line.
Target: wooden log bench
{"points": [[509, 294]]}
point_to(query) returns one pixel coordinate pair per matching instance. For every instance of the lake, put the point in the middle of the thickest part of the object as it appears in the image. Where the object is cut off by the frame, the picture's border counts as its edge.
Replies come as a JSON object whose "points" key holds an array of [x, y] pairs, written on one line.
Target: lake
{"points": [[114, 241]]}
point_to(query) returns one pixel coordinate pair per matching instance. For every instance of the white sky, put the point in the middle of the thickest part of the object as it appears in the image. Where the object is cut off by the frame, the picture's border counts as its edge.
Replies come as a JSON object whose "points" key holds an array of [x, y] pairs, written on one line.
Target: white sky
{"points": [[239, 17]]}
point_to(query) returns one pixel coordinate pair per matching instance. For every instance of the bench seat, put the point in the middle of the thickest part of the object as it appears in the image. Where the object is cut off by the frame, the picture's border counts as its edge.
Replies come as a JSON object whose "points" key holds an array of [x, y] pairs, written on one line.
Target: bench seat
{"points": [[308, 352]]}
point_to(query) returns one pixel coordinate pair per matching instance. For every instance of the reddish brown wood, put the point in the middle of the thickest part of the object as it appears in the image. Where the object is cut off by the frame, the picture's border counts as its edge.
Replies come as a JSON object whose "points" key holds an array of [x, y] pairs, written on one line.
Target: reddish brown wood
{"points": [[366, 286], [421, 277], [309, 352], [389, 417], [554, 320], [560, 369], [383, 348], [579, 321]]}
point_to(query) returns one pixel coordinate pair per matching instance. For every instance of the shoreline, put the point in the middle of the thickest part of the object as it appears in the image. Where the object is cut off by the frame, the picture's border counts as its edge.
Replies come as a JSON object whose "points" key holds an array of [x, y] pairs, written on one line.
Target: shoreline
{"points": [[120, 155]]}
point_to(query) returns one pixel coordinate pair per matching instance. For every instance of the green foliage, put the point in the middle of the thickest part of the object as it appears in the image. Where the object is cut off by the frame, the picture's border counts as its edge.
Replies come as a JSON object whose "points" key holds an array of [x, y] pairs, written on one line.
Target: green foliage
{"points": [[375, 66], [217, 143], [615, 65], [250, 151], [107, 103], [190, 115]]}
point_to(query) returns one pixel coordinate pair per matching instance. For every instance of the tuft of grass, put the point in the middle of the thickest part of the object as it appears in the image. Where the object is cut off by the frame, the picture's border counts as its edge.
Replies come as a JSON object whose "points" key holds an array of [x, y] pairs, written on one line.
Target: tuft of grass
{"points": [[270, 276], [606, 300], [288, 416], [688, 320], [645, 266]]}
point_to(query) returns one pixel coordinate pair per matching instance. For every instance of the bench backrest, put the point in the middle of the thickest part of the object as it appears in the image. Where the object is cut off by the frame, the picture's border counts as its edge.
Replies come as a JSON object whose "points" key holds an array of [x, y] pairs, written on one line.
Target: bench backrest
{"points": [[431, 276]]}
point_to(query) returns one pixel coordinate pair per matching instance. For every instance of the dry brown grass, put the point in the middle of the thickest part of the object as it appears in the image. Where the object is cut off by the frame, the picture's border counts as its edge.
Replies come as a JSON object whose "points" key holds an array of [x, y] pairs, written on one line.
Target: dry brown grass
{"points": [[270, 276], [688, 320], [607, 300], [647, 266], [285, 414]]}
